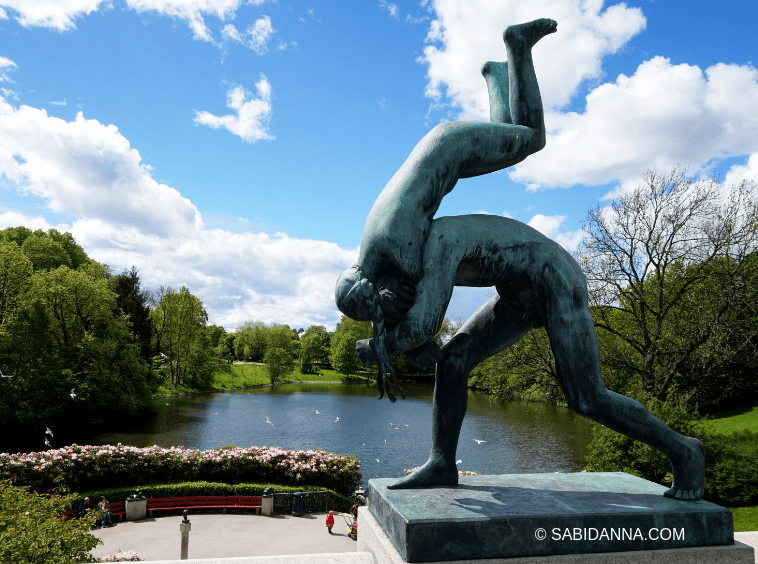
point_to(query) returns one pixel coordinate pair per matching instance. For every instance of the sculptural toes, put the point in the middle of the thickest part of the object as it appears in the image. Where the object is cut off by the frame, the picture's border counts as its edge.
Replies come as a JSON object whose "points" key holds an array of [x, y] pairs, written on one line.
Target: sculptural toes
{"points": [[409, 264]]}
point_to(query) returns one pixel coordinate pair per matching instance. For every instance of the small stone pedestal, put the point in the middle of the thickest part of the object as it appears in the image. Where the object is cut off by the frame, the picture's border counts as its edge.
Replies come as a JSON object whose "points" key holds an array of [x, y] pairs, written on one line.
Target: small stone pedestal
{"points": [[136, 509], [520, 518]]}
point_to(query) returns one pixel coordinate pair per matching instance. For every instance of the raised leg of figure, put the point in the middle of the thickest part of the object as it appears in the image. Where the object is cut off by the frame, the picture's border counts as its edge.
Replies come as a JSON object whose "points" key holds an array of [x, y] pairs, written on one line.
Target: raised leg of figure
{"points": [[497, 324], [524, 92], [574, 344], [496, 76]]}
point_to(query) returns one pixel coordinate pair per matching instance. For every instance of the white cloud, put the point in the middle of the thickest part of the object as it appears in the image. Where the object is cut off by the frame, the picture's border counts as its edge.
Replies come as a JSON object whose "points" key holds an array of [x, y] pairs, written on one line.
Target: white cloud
{"points": [[550, 226], [256, 36], [663, 115], [85, 168], [58, 103], [747, 172], [251, 121], [59, 14], [121, 216], [464, 35], [392, 9], [5, 65], [191, 11]]}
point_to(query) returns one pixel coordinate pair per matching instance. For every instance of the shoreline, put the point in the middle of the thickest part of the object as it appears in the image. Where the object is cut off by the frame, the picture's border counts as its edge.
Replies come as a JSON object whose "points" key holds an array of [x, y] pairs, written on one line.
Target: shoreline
{"points": [[255, 386]]}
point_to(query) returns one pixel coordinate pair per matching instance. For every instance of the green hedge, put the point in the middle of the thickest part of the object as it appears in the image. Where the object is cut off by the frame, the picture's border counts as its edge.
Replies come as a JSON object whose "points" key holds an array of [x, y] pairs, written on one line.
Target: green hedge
{"points": [[731, 460]]}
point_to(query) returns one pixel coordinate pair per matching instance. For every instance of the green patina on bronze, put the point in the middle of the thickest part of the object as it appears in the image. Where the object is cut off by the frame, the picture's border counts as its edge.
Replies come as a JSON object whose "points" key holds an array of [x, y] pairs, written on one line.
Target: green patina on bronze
{"points": [[410, 262]]}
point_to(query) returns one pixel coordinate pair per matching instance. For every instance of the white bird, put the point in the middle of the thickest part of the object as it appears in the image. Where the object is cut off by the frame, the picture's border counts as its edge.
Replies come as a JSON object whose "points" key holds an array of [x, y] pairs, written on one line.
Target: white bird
{"points": [[48, 431], [406, 424], [167, 404], [458, 461], [6, 375], [163, 355], [269, 421], [72, 394], [318, 412], [378, 461], [337, 420], [48, 443], [479, 441]]}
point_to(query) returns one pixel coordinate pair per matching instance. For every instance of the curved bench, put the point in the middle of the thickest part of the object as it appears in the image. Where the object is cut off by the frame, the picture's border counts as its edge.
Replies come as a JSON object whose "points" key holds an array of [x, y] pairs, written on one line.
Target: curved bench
{"points": [[222, 502]]}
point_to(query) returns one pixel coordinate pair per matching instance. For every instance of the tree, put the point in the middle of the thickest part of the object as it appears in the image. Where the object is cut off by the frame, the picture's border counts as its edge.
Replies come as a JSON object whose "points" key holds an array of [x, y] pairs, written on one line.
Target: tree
{"points": [[135, 303], [31, 529], [649, 259], [178, 320], [346, 334], [279, 364], [318, 341], [15, 277], [251, 340]]}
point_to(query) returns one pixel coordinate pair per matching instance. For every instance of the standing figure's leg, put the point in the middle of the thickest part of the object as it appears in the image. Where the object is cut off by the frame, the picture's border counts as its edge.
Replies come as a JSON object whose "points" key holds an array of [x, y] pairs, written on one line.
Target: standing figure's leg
{"points": [[497, 324], [574, 344]]}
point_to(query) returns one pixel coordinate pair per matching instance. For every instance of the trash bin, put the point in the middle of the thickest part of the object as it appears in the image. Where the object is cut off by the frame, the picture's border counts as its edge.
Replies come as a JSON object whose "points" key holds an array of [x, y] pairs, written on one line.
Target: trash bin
{"points": [[298, 504], [267, 502], [136, 506]]}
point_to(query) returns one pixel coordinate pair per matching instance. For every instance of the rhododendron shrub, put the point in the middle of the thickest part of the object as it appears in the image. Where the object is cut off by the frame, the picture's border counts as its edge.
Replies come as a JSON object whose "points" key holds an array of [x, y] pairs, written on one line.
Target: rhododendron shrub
{"points": [[93, 467]]}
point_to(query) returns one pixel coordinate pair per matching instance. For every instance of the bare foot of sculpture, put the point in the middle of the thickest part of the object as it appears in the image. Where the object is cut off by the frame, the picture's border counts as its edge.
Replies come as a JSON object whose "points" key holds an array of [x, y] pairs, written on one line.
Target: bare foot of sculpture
{"points": [[689, 473], [433, 473], [530, 32]]}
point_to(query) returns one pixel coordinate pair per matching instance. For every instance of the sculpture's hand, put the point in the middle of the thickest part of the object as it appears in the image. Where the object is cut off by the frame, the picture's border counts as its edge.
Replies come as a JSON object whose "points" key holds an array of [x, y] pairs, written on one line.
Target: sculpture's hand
{"points": [[365, 353], [425, 356]]}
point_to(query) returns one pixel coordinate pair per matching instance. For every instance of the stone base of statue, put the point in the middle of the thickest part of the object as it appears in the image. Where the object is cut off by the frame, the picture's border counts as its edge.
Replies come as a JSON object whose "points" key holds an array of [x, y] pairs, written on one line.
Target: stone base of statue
{"points": [[584, 517]]}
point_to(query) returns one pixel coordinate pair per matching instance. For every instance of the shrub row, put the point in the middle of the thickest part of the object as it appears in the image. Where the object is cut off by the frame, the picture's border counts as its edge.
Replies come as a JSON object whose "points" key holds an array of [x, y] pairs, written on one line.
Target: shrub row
{"points": [[97, 467]]}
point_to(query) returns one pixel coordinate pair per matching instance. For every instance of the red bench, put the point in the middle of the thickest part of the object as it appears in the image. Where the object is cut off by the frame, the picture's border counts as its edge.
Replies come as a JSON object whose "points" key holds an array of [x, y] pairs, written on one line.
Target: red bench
{"points": [[117, 510], [222, 502]]}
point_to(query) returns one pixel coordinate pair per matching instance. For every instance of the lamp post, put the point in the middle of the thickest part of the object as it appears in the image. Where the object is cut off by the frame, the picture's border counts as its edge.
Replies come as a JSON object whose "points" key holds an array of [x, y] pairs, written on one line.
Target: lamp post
{"points": [[185, 526]]}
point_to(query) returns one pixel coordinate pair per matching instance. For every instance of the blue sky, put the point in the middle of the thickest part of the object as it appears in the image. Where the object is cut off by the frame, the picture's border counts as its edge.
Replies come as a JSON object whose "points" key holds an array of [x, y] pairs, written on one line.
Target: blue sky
{"points": [[237, 146]]}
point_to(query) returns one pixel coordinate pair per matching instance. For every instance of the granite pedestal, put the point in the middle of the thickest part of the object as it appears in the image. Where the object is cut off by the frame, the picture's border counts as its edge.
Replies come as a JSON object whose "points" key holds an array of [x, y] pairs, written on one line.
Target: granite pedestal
{"points": [[539, 515]]}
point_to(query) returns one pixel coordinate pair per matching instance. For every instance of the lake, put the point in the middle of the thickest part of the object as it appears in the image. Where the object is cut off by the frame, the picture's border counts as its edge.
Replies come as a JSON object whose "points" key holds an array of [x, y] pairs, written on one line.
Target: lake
{"points": [[386, 437]]}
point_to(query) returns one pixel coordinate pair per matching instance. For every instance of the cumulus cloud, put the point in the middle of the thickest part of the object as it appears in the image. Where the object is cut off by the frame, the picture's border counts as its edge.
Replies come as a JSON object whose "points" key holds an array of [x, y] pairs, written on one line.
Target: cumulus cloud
{"points": [[550, 226], [663, 114], [56, 15], [121, 216], [464, 35], [191, 11], [253, 115], [391, 8], [85, 168], [747, 172]]}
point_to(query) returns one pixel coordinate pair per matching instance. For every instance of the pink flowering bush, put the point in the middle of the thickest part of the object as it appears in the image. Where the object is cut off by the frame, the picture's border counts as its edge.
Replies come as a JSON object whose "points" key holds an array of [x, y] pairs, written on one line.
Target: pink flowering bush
{"points": [[121, 556], [94, 467]]}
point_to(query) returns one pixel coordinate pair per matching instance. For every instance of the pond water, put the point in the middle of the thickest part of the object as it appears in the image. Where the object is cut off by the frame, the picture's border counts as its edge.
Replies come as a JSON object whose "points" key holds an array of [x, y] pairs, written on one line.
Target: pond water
{"points": [[386, 437]]}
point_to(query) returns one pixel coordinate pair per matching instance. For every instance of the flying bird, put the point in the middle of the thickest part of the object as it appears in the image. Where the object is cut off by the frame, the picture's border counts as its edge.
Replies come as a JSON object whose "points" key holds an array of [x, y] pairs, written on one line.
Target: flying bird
{"points": [[72, 394], [48, 431], [6, 375], [337, 420], [378, 461], [269, 421], [318, 412], [458, 461], [48, 443], [479, 441]]}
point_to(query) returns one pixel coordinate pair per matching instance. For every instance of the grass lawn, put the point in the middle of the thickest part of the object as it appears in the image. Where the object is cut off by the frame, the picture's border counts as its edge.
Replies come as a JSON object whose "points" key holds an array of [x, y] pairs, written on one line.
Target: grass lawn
{"points": [[745, 518], [738, 419], [242, 375]]}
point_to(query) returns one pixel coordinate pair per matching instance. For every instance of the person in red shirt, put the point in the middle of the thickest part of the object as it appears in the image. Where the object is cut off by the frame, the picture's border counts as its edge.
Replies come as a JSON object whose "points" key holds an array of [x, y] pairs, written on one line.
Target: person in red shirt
{"points": [[330, 521]]}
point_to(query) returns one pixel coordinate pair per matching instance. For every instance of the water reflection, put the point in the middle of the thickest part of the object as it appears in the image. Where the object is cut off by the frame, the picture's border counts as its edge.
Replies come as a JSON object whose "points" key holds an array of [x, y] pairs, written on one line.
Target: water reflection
{"points": [[513, 438]]}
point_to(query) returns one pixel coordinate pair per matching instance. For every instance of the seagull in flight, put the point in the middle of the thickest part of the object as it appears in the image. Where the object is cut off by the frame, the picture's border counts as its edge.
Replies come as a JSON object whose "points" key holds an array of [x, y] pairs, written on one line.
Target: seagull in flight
{"points": [[318, 412], [269, 421], [378, 461], [48, 443], [48, 432], [459, 461], [337, 420], [6, 375], [479, 441], [72, 394]]}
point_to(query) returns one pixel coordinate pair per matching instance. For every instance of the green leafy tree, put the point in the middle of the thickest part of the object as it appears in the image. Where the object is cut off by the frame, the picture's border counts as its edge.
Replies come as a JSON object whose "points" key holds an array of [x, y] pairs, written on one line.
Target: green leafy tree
{"points": [[343, 357], [31, 529], [135, 303], [178, 320], [251, 341], [15, 278], [653, 260], [279, 363]]}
